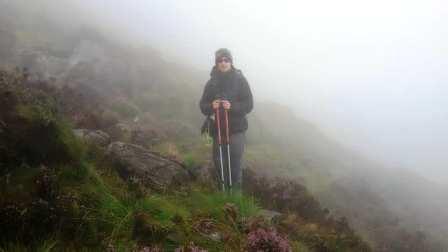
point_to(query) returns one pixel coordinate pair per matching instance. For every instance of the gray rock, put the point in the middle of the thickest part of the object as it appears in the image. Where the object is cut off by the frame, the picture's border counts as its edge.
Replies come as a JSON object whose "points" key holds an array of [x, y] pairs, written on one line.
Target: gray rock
{"points": [[269, 215], [139, 164], [121, 132], [97, 137]]}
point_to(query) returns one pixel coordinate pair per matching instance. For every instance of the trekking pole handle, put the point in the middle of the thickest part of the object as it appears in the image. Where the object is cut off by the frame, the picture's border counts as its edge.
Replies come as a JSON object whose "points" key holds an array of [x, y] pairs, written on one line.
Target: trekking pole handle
{"points": [[218, 125], [226, 116]]}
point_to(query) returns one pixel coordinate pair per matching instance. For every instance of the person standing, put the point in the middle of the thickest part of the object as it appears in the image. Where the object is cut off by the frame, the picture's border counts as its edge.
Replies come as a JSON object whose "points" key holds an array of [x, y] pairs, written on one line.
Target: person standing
{"points": [[228, 91]]}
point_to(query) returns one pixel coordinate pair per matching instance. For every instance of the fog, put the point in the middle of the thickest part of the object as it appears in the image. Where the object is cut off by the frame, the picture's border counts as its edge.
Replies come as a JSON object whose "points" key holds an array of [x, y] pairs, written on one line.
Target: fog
{"points": [[369, 74]]}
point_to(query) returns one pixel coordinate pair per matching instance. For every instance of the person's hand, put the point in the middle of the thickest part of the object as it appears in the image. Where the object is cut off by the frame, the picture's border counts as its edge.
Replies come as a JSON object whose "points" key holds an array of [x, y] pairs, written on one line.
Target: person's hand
{"points": [[226, 104], [215, 104]]}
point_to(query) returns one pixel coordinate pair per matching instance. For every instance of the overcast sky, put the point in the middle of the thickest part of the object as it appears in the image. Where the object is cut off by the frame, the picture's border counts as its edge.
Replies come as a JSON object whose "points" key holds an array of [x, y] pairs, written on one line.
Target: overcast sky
{"points": [[371, 74]]}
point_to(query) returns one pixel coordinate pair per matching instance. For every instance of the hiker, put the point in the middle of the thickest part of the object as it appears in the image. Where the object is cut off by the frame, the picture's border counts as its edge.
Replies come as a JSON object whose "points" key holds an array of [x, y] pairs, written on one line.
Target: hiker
{"points": [[228, 91]]}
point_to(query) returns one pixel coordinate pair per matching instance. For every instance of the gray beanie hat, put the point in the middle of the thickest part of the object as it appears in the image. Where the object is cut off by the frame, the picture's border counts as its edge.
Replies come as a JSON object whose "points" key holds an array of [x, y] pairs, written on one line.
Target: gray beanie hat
{"points": [[223, 52]]}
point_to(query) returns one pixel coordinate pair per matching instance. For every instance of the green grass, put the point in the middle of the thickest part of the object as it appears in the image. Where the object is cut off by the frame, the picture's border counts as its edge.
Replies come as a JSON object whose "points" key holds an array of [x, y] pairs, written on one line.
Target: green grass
{"points": [[213, 203], [105, 208], [162, 208], [44, 246], [112, 210], [20, 184], [299, 247]]}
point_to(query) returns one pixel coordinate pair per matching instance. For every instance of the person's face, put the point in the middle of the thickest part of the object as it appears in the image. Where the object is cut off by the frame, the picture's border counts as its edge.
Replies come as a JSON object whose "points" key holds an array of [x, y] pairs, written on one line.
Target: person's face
{"points": [[224, 64]]}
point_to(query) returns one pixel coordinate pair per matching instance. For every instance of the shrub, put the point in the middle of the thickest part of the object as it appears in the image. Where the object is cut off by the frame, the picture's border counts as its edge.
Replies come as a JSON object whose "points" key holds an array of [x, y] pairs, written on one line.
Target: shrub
{"points": [[267, 240]]}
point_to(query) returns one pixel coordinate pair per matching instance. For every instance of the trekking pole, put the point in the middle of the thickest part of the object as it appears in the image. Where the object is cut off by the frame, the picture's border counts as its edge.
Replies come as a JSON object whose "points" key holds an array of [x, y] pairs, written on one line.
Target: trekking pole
{"points": [[220, 148], [228, 149]]}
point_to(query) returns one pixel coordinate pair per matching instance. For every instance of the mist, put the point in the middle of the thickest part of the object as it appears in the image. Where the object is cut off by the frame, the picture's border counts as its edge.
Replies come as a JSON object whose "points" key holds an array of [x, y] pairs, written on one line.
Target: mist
{"points": [[362, 84], [369, 74]]}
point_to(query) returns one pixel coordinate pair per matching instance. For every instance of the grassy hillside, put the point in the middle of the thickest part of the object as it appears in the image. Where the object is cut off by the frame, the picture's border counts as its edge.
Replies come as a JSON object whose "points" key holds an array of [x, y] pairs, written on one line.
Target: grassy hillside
{"points": [[69, 192]]}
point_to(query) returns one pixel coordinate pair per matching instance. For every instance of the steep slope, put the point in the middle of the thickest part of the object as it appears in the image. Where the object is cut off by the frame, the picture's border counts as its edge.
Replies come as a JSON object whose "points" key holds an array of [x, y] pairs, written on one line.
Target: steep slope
{"points": [[78, 195], [391, 207], [135, 95]]}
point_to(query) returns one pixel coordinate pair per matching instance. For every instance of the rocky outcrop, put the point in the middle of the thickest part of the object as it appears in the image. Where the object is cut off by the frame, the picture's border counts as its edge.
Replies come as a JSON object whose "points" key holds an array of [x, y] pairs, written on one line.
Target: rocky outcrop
{"points": [[97, 137], [137, 163]]}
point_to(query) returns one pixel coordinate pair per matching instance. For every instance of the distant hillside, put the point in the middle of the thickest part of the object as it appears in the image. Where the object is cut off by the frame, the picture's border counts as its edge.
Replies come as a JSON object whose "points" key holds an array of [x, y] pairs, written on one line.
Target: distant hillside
{"points": [[387, 205]]}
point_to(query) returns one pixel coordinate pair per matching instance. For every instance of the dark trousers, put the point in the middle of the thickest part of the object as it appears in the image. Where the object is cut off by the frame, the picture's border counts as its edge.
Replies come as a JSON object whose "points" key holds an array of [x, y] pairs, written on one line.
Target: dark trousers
{"points": [[237, 142]]}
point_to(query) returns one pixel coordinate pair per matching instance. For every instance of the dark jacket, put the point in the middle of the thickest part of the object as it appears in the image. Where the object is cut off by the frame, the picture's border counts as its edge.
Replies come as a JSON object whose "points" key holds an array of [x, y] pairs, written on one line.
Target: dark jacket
{"points": [[234, 87]]}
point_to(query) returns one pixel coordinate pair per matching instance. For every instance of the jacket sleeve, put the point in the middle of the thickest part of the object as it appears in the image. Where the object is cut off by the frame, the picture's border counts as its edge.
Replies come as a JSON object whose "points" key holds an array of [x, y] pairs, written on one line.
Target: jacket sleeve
{"points": [[206, 100], [244, 105]]}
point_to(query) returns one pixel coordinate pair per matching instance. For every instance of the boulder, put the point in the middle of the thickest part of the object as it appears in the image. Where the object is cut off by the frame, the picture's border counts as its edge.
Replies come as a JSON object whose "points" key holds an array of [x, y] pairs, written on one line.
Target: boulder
{"points": [[152, 170]]}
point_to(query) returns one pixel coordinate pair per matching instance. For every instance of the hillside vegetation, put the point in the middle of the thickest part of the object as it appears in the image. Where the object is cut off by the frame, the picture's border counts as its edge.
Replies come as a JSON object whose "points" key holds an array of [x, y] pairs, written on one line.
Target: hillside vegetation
{"points": [[71, 193]]}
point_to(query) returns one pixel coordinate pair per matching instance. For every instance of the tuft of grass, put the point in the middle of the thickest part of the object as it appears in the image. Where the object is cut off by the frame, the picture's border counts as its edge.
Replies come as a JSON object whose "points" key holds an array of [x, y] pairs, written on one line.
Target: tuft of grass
{"points": [[189, 161], [19, 184], [299, 247], [74, 147], [45, 246], [162, 208], [213, 203], [73, 175]]}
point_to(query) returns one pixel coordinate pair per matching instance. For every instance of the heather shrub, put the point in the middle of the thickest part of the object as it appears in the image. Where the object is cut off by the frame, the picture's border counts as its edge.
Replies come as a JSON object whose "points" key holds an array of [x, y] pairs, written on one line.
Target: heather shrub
{"points": [[267, 240]]}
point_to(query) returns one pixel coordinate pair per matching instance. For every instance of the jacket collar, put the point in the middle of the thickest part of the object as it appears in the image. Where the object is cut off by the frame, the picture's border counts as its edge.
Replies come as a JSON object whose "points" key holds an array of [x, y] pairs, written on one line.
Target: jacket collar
{"points": [[215, 72]]}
